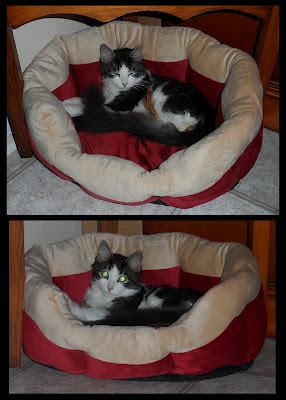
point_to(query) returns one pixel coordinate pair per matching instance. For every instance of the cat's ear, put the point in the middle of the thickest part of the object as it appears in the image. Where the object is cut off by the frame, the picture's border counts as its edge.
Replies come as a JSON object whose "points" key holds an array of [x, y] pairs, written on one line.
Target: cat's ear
{"points": [[137, 53], [106, 54], [134, 261], [103, 253]]}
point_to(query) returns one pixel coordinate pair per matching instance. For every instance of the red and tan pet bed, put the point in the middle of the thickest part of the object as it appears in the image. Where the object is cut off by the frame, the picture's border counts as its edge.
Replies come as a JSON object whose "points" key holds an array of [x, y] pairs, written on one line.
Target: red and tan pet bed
{"points": [[225, 328], [118, 166]]}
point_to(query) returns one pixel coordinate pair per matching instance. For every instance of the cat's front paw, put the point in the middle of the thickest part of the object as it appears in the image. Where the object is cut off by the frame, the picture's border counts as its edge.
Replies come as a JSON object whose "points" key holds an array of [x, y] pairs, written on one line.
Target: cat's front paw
{"points": [[85, 313]]}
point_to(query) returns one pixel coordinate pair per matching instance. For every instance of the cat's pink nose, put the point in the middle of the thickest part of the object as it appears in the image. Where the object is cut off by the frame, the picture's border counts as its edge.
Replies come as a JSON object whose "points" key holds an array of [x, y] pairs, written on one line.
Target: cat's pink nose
{"points": [[124, 84], [109, 289]]}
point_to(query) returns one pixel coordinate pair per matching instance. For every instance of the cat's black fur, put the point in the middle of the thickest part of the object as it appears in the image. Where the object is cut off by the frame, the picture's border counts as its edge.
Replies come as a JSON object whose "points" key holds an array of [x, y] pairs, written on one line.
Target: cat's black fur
{"points": [[130, 317], [102, 116]]}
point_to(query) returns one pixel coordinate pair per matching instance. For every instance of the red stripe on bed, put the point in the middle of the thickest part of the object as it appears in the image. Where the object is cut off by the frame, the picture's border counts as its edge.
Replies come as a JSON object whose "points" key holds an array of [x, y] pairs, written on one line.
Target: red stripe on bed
{"points": [[239, 343], [77, 284]]}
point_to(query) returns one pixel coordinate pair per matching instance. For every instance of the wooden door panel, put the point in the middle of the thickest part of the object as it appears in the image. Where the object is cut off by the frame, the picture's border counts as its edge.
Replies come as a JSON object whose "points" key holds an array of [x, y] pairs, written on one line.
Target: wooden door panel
{"points": [[222, 231], [233, 29], [16, 291], [123, 227]]}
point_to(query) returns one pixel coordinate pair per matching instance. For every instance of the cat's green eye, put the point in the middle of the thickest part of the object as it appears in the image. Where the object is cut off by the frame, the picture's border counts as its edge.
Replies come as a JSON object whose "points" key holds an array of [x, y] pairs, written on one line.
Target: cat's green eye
{"points": [[104, 274], [122, 278]]}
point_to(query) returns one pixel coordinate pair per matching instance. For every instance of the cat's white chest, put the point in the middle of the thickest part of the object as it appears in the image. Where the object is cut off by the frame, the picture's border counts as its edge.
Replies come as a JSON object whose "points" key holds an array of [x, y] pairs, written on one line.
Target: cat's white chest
{"points": [[110, 91], [95, 298]]}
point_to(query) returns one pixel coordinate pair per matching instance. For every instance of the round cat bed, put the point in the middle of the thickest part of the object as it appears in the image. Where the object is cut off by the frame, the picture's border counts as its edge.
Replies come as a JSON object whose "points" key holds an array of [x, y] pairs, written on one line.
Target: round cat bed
{"points": [[118, 166], [225, 328]]}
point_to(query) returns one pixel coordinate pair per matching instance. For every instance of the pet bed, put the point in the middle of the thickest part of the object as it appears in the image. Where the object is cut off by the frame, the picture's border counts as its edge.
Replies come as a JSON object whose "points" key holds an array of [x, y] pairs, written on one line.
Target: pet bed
{"points": [[117, 166], [225, 328]]}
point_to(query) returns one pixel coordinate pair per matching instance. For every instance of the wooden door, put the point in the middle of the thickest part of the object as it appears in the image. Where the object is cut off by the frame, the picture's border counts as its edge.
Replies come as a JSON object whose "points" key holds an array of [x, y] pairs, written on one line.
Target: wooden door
{"points": [[234, 29], [123, 227], [222, 231], [16, 291], [262, 242]]}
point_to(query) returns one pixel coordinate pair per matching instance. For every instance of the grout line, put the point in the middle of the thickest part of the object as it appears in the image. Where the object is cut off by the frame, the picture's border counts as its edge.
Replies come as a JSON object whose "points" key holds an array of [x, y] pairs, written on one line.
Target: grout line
{"points": [[19, 170], [187, 387], [17, 371], [258, 203], [261, 374]]}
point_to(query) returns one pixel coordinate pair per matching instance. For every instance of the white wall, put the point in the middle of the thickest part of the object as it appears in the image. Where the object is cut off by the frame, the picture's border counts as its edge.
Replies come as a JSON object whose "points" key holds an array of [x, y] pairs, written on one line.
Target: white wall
{"points": [[10, 141], [30, 39], [46, 232]]}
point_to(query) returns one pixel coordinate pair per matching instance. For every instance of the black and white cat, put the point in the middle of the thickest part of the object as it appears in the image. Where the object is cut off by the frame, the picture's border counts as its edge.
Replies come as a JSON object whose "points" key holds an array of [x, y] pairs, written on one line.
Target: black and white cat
{"points": [[181, 114], [117, 296]]}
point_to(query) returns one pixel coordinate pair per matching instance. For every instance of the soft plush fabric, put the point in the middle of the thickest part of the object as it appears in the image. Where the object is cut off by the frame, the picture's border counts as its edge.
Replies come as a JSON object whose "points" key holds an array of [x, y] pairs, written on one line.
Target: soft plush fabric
{"points": [[117, 166], [226, 326]]}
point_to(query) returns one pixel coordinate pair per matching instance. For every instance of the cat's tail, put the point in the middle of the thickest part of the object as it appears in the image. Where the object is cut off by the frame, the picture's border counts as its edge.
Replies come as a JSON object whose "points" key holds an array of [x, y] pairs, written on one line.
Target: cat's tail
{"points": [[99, 119], [155, 317]]}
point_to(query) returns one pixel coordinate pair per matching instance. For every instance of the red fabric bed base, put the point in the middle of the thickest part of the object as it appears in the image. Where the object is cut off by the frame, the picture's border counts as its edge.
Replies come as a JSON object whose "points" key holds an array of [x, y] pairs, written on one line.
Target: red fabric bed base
{"points": [[239, 343]]}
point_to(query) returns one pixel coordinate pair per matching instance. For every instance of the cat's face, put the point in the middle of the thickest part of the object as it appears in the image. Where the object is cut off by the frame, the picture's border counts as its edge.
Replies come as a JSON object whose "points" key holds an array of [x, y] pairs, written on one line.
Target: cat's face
{"points": [[115, 274], [122, 68]]}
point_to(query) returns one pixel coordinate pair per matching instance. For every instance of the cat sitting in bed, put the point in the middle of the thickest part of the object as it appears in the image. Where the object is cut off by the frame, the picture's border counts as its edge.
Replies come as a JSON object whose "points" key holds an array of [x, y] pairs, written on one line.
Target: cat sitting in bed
{"points": [[147, 105], [117, 296]]}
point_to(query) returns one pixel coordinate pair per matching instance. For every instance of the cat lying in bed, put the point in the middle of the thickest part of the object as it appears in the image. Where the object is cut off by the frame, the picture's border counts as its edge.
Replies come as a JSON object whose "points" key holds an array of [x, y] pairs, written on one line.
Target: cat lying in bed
{"points": [[147, 105], [118, 297]]}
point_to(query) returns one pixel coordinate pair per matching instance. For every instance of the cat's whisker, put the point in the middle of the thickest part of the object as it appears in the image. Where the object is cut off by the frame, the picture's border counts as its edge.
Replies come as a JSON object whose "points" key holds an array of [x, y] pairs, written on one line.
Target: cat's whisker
{"points": [[141, 85]]}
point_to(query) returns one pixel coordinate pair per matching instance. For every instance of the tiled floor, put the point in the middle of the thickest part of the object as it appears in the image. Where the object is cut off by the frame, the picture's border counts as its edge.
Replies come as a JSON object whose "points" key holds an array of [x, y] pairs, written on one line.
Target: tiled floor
{"points": [[33, 189], [37, 378]]}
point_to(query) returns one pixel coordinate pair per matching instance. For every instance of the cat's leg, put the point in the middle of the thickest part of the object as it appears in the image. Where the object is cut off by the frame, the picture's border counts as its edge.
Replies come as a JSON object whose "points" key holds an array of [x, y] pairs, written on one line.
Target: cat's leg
{"points": [[74, 106], [85, 313], [151, 300], [140, 107], [183, 122]]}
